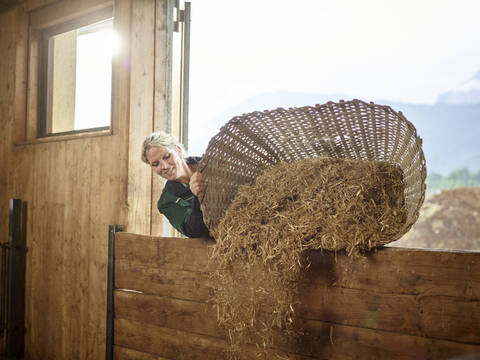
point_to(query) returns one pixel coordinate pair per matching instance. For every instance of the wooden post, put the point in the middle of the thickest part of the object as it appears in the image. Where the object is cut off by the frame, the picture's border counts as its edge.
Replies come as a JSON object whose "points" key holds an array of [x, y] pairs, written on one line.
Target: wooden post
{"points": [[14, 346]]}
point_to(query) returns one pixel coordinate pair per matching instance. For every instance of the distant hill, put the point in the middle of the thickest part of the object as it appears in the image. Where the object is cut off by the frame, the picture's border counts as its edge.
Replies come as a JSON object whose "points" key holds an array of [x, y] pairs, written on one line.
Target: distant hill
{"points": [[466, 93], [450, 132]]}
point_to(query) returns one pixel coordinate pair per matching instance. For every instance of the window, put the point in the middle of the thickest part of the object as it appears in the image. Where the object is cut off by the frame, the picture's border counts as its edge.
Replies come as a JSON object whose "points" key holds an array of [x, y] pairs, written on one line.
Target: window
{"points": [[417, 57], [64, 71], [75, 74]]}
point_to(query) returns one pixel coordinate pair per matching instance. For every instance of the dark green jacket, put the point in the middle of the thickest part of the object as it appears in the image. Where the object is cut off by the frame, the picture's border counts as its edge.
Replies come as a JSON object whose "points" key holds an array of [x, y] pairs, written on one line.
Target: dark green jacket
{"points": [[182, 208]]}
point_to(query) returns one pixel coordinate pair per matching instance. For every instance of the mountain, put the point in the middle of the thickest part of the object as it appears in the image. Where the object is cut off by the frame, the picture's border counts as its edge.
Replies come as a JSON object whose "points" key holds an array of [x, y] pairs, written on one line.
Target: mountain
{"points": [[450, 132], [466, 93]]}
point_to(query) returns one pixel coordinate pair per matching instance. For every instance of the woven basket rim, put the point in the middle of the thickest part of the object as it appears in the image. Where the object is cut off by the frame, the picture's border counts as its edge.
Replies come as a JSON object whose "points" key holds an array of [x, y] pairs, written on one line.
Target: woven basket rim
{"points": [[244, 119]]}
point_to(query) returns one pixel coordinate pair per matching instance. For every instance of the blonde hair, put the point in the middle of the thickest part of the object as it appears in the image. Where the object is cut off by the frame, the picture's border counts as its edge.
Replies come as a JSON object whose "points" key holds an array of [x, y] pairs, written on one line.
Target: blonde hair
{"points": [[160, 138]]}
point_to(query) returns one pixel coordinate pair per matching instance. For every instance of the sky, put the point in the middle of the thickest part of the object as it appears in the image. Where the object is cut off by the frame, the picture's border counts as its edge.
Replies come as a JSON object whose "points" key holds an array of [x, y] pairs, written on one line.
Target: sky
{"points": [[402, 51], [93, 79]]}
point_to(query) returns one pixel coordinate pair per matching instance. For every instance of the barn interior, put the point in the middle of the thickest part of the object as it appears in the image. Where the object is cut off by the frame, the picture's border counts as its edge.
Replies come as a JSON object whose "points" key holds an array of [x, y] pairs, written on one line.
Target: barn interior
{"points": [[101, 274]]}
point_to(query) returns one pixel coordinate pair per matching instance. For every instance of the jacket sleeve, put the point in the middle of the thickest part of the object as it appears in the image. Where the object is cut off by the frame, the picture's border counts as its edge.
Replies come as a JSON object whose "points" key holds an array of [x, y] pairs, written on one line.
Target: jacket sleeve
{"points": [[193, 226], [183, 216]]}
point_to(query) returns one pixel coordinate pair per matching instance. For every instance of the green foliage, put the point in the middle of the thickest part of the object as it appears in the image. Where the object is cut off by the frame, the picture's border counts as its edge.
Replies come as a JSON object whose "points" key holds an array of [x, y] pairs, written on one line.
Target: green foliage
{"points": [[457, 178]]}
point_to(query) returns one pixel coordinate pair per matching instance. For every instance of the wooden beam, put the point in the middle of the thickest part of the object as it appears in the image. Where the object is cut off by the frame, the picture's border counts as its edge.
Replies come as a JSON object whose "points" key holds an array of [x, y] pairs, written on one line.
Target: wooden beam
{"points": [[175, 344], [321, 340], [141, 114], [189, 285], [404, 271], [396, 292], [189, 316], [21, 65], [387, 270], [122, 353], [63, 11], [169, 253], [437, 318]]}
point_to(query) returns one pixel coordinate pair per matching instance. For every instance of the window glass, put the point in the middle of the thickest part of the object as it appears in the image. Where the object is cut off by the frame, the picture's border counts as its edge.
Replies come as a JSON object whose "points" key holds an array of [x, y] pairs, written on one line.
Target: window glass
{"points": [[78, 68], [419, 57], [95, 47]]}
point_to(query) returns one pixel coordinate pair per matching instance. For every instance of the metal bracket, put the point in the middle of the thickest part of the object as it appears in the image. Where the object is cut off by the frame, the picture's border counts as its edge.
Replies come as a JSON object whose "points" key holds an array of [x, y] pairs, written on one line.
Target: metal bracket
{"points": [[12, 303], [178, 16], [112, 229]]}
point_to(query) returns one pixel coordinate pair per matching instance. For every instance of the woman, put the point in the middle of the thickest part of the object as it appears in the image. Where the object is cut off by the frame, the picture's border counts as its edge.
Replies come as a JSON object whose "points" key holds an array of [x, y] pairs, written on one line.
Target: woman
{"points": [[179, 200]]}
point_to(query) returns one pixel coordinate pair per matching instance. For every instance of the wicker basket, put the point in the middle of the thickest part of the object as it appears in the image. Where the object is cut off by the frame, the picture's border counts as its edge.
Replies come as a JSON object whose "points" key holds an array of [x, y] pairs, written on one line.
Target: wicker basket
{"points": [[250, 143]]}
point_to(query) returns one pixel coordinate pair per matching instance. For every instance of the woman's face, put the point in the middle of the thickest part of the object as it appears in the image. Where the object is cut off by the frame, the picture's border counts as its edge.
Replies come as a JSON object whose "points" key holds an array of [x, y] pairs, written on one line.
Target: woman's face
{"points": [[167, 163]]}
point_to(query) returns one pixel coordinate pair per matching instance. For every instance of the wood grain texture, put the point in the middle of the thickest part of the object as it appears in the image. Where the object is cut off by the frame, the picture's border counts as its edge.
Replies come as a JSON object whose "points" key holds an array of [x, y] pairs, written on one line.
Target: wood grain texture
{"points": [[30, 5], [32, 100], [21, 61], [436, 317], [7, 66], [321, 341], [122, 353], [360, 310], [170, 253], [423, 313], [169, 343], [175, 344], [179, 314], [162, 101], [335, 341], [141, 113], [74, 188], [60, 11], [406, 271], [189, 285]]}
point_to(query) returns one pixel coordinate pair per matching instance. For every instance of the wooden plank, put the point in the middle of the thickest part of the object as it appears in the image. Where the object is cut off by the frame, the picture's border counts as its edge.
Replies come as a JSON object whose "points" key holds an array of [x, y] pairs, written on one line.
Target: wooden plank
{"points": [[168, 253], [162, 108], [38, 249], [436, 318], [166, 342], [334, 341], [62, 11], [32, 87], [401, 271], [444, 317], [389, 270], [69, 290], [414, 314], [162, 103], [121, 72], [53, 171], [321, 340], [122, 353], [30, 5], [392, 271], [175, 344], [21, 65], [182, 284], [188, 316], [7, 74], [94, 319], [141, 115], [7, 4]]}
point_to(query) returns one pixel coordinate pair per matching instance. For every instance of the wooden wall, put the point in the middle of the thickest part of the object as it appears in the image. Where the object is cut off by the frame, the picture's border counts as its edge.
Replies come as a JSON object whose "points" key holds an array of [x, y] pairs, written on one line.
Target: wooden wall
{"points": [[393, 304], [75, 188]]}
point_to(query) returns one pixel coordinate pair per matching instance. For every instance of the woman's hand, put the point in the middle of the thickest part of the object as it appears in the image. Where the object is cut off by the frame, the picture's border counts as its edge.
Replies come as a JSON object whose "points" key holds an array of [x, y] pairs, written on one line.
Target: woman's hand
{"points": [[198, 184]]}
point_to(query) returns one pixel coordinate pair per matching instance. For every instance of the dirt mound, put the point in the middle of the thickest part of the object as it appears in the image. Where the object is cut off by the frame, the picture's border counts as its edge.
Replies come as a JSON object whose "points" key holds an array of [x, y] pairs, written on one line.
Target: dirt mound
{"points": [[448, 220]]}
